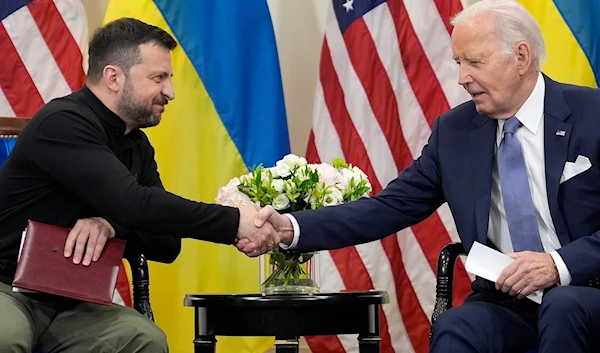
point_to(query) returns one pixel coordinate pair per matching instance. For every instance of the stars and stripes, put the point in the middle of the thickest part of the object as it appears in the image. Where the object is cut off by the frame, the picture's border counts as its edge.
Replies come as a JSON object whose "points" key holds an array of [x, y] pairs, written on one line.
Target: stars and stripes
{"points": [[386, 73]]}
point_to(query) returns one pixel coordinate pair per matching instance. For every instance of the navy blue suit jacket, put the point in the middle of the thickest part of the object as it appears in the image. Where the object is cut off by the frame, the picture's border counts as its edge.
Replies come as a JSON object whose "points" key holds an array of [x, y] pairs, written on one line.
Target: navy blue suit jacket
{"points": [[456, 167]]}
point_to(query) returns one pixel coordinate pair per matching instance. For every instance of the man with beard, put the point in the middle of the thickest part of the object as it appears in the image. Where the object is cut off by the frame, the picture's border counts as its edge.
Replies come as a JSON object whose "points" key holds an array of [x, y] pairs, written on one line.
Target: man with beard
{"points": [[83, 162]]}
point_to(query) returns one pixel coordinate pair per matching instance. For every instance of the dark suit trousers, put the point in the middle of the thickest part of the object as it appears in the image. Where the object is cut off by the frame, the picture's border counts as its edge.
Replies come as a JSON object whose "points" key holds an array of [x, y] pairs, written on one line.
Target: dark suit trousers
{"points": [[568, 320]]}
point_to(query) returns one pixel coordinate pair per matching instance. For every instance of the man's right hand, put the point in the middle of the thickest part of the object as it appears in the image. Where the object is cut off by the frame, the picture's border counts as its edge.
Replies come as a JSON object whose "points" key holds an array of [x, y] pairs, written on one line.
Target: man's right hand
{"points": [[252, 239]]}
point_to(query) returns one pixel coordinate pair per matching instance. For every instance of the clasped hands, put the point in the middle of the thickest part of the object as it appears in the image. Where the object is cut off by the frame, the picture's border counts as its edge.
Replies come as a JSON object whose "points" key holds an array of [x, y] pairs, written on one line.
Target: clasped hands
{"points": [[261, 230]]}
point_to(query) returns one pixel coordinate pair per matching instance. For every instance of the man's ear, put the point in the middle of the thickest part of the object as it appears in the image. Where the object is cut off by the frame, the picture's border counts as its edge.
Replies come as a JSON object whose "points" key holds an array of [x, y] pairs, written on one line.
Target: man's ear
{"points": [[524, 57], [113, 77]]}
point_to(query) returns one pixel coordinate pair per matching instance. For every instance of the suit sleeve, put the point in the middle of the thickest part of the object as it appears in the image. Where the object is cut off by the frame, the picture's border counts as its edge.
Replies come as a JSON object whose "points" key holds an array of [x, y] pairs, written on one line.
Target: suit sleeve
{"points": [[581, 258], [74, 153], [410, 198]]}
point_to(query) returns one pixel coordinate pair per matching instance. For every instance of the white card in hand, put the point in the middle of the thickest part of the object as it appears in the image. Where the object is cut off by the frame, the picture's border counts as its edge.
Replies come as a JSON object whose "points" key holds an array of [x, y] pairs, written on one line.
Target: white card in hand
{"points": [[488, 263]]}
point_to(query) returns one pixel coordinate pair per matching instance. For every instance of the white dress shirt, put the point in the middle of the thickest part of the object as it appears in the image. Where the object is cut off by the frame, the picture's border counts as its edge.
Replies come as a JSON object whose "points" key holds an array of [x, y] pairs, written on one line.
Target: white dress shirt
{"points": [[531, 138]]}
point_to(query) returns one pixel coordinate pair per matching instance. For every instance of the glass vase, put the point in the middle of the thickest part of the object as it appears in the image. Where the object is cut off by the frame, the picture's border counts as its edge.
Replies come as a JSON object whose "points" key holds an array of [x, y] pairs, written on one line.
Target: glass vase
{"points": [[287, 272]]}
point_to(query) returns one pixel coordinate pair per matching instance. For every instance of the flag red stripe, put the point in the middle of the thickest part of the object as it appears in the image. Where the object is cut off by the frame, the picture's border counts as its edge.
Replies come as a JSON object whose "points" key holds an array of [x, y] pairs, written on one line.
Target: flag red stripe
{"points": [[59, 40], [329, 344], [374, 79], [431, 234], [123, 287], [356, 278], [351, 142], [348, 262], [420, 74], [416, 322], [15, 81], [376, 83], [432, 237], [431, 230], [447, 9], [312, 155]]}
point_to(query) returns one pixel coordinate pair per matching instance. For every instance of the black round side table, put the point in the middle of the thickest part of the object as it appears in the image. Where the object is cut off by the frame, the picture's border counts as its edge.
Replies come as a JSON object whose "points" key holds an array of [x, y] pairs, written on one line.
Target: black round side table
{"points": [[287, 317]]}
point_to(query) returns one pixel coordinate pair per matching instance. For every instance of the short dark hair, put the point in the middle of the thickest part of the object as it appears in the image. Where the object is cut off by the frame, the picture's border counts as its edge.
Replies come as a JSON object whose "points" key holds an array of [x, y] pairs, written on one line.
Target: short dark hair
{"points": [[117, 43]]}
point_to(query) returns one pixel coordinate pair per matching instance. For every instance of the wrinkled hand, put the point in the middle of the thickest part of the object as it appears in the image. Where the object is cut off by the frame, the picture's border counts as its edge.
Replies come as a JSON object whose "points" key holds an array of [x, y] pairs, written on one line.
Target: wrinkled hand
{"points": [[529, 272], [252, 239], [89, 235]]}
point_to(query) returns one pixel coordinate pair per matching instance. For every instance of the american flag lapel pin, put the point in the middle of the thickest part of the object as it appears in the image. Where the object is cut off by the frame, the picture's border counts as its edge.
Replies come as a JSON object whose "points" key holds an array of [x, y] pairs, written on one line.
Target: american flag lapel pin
{"points": [[560, 132]]}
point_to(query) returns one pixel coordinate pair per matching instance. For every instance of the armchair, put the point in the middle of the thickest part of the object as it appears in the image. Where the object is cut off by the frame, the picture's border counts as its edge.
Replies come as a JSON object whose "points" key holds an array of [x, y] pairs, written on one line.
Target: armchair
{"points": [[9, 131], [445, 279]]}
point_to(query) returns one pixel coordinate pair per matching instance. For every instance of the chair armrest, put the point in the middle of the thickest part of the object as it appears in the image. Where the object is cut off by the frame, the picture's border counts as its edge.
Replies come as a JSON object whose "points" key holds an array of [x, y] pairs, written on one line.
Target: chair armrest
{"points": [[141, 285], [445, 278]]}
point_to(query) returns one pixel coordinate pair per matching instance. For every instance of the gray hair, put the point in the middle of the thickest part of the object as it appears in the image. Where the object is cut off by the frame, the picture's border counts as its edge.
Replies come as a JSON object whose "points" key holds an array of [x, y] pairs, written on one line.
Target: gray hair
{"points": [[514, 24]]}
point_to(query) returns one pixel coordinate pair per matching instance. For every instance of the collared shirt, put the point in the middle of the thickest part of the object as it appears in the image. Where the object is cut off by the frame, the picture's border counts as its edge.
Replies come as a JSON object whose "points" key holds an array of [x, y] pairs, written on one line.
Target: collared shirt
{"points": [[531, 138], [74, 161]]}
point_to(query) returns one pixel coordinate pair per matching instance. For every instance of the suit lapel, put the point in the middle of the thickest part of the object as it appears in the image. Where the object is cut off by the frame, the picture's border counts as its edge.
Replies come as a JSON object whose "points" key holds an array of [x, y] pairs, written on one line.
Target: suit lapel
{"points": [[557, 134], [481, 147]]}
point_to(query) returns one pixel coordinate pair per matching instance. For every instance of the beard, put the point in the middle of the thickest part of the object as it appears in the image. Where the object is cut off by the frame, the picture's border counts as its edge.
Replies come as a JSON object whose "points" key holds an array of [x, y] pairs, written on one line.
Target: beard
{"points": [[138, 115]]}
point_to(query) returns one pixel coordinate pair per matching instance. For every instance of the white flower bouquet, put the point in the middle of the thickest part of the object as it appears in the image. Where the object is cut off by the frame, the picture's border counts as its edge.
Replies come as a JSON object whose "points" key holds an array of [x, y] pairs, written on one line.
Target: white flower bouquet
{"points": [[294, 185]]}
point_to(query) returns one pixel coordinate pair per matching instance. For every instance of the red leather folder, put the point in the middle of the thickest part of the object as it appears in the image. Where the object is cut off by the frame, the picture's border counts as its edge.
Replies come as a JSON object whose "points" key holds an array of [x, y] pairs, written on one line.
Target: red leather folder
{"points": [[42, 266]]}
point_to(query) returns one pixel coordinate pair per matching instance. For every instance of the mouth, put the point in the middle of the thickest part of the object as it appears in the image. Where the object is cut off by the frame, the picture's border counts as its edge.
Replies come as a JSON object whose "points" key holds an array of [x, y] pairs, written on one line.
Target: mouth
{"points": [[476, 95]]}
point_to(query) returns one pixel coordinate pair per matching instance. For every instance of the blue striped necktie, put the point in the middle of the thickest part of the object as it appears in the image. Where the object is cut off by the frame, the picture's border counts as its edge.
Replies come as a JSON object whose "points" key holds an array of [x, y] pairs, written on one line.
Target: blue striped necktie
{"points": [[516, 194]]}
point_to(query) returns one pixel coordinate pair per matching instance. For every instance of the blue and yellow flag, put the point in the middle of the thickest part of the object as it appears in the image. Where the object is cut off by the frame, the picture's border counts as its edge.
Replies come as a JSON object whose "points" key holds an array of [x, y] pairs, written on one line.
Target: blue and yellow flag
{"points": [[228, 116], [572, 35]]}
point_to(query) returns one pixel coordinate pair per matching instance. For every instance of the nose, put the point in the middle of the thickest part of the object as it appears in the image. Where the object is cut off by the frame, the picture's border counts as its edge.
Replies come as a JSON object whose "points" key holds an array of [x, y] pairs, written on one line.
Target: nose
{"points": [[168, 91], [464, 75]]}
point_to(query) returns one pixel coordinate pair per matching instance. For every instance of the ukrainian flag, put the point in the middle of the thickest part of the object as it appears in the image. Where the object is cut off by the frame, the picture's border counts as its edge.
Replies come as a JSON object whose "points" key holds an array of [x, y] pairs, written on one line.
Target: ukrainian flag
{"points": [[572, 34], [228, 116]]}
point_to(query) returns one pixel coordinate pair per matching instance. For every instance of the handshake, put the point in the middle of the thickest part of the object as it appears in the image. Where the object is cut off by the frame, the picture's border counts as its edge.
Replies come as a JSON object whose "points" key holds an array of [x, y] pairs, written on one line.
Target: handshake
{"points": [[261, 230]]}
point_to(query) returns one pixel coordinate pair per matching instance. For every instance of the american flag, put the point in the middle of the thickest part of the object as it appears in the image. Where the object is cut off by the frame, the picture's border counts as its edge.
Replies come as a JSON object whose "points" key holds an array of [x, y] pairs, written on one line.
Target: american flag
{"points": [[43, 55], [386, 73]]}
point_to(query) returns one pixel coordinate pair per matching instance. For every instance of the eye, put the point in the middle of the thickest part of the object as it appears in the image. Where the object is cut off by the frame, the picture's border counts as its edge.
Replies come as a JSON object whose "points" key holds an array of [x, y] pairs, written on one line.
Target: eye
{"points": [[158, 78], [474, 63]]}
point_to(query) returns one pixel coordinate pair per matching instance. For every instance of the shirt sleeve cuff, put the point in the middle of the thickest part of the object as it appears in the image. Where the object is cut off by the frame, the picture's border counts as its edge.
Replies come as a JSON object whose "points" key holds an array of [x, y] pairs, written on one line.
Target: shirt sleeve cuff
{"points": [[296, 233], [563, 271]]}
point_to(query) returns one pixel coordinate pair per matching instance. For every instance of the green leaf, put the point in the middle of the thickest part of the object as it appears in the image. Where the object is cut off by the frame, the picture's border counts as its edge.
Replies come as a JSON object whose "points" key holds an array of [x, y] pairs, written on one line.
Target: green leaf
{"points": [[288, 274], [305, 257], [297, 273], [280, 258], [339, 163]]}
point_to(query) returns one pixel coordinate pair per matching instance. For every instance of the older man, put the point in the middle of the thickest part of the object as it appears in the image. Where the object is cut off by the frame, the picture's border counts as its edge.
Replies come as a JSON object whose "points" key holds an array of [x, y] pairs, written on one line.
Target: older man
{"points": [[518, 166]]}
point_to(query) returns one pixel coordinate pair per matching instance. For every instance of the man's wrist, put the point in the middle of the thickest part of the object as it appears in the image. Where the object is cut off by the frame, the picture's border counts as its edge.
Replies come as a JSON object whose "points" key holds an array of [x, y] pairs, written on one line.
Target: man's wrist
{"points": [[564, 276], [555, 269], [293, 230], [287, 237]]}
